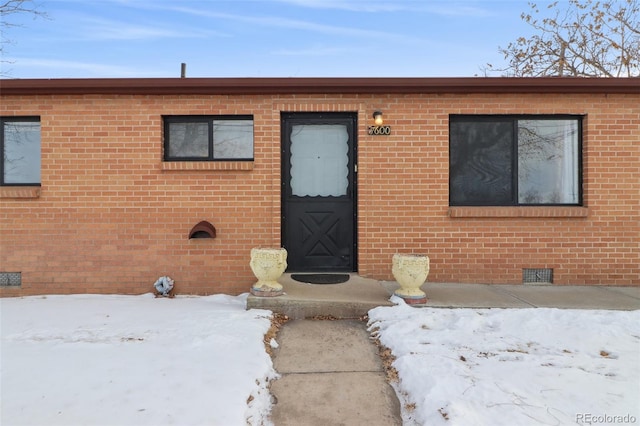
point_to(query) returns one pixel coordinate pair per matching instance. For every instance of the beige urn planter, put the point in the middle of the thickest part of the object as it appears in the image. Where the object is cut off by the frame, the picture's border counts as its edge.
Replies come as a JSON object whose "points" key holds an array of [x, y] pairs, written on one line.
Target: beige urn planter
{"points": [[410, 271], [268, 264]]}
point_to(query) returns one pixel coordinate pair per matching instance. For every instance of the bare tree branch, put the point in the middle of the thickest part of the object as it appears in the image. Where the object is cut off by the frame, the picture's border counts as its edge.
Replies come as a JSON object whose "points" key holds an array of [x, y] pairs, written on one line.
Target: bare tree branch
{"points": [[589, 38], [8, 8]]}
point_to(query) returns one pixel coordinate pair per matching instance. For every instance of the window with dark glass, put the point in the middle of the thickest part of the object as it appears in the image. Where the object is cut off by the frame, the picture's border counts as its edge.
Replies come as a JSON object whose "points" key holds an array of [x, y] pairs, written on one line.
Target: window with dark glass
{"points": [[20, 147], [208, 138], [515, 160]]}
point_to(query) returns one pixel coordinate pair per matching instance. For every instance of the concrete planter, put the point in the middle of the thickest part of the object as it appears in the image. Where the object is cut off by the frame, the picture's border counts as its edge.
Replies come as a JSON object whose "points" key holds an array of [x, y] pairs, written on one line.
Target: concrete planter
{"points": [[268, 264], [410, 271]]}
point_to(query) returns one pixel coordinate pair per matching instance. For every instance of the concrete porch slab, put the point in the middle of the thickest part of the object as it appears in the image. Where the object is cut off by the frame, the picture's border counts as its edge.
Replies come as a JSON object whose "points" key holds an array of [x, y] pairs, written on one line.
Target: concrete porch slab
{"points": [[357, 296], [352, 299], [451, 295]]}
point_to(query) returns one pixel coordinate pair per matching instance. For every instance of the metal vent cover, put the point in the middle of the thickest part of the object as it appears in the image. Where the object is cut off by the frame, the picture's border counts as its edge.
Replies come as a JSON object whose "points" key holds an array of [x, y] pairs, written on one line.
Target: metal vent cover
{"points": [[10, 279], [537, 276]]}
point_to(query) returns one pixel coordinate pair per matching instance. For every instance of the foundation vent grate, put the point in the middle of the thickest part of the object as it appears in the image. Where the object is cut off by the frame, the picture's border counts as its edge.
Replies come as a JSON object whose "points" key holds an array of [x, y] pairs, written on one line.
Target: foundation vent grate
{"points": [[537, 276], [10, 279]]}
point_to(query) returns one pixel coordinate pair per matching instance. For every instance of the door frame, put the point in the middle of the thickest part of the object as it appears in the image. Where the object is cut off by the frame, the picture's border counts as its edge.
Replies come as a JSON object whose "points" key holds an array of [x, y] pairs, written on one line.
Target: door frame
{"points": [[353, 170]]}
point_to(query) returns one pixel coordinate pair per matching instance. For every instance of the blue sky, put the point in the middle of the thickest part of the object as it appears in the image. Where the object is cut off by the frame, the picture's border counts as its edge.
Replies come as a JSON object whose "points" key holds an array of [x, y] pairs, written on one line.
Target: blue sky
{"points": [[261, 38]]}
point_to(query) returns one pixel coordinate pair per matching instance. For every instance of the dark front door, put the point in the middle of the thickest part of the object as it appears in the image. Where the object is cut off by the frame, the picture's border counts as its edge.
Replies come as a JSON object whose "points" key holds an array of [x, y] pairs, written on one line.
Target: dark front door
{"points": [[318, 191]]}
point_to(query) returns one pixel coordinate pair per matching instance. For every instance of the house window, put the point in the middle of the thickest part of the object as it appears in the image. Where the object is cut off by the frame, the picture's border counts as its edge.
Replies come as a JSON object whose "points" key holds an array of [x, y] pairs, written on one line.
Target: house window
{"points": [[20, 146], [207, 138], [515, 160]]}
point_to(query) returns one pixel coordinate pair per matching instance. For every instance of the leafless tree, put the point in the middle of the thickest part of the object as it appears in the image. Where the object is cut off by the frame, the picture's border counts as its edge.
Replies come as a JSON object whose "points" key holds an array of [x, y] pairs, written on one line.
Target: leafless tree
{"points": [[578, 38], [9, 8]]}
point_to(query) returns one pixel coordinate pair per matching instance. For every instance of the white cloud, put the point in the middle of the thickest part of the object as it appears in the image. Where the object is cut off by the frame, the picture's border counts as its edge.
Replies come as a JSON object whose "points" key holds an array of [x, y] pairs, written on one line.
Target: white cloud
{"points": [[312, 51], [444, 8], [453, 9], [297, 24], [354, 6], [55, 66], [103, 29]]}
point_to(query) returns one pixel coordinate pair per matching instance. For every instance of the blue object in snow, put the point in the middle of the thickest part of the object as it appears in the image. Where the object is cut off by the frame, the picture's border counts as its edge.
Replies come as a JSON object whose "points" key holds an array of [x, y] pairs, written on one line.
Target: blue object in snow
{"points": [[164, 285]]}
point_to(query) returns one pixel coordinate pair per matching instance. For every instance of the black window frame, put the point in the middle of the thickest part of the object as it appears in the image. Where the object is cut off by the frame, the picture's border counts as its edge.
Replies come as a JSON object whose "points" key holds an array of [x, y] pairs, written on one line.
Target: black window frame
{"points": [[18, 119], [514, 118], [209, 119]]}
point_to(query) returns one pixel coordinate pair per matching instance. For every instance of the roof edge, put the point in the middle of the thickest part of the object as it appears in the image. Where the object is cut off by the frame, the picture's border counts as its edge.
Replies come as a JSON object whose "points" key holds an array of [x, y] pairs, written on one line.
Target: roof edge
{"points": [[312, 85]]}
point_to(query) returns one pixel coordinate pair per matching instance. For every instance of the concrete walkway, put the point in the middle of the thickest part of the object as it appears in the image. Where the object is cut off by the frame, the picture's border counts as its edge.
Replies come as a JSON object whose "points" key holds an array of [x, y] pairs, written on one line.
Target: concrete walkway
{"points": [[528, 296], [331, 373]]}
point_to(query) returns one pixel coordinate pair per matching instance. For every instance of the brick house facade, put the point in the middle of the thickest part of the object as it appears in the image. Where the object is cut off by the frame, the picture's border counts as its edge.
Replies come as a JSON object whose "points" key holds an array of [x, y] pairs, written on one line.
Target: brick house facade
{"points": [[113, 211]]}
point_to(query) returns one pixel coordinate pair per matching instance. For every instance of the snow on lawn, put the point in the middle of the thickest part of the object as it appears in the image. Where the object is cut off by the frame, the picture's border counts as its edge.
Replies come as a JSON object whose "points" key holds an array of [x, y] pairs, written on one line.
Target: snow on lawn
{"points": [[140, 360], [513, 366], [133, 360]]}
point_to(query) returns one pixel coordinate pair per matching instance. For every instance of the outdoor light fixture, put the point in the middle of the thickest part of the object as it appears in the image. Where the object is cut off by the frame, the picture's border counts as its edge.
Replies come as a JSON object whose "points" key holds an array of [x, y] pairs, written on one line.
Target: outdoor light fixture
{"points": [[378, 128], [377, 118]]}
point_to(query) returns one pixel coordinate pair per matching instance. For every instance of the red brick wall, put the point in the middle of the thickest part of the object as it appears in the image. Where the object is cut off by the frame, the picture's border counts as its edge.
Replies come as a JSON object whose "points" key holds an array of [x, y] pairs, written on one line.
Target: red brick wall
{"points": [[112, 217]]}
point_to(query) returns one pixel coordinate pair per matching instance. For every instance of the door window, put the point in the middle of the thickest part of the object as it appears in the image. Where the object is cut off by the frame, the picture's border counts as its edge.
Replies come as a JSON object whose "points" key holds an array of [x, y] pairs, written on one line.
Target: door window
{"points": [[319, 160]]}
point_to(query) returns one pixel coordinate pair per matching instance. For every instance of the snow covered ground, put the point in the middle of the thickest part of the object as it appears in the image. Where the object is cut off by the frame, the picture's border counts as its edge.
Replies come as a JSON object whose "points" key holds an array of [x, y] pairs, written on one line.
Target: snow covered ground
{"points": [[513, 366], [140, 360], [133, 360]]}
